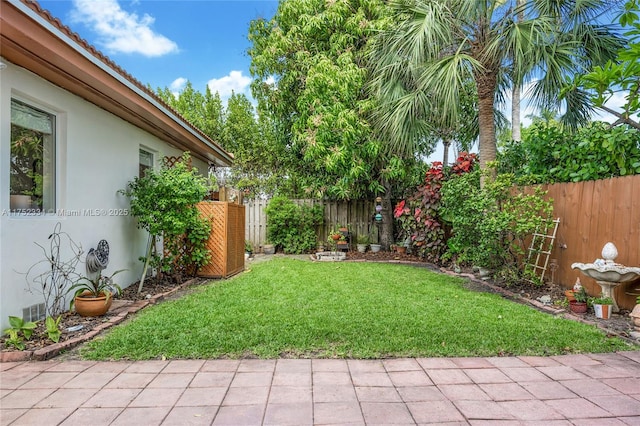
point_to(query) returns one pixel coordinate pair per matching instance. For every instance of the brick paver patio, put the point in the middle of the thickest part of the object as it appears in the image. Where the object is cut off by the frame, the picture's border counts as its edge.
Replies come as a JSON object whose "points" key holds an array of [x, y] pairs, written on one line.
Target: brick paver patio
{"points": [[598, 389]]}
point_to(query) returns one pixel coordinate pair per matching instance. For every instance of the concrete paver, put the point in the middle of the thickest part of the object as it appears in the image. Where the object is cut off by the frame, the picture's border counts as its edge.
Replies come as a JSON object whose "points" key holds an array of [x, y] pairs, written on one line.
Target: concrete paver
{"points": [[602, 389]]}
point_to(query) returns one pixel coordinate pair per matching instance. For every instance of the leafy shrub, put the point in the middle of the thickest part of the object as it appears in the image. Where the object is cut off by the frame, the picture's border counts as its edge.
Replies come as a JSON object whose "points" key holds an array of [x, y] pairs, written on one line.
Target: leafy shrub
{"points": [[292, 227], [164, 202], [418, 218], [490, 224], [548, 153]]}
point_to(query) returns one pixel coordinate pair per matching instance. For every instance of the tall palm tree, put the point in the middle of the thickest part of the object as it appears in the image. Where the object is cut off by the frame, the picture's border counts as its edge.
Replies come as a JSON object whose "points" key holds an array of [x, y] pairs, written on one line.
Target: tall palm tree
{"points": [[441, 44]]}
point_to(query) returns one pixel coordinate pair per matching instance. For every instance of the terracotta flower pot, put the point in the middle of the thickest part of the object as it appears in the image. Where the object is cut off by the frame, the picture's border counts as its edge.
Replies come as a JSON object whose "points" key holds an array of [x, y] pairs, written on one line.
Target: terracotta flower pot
{"points": [[578, 307], [569, 295], [92, 306]]}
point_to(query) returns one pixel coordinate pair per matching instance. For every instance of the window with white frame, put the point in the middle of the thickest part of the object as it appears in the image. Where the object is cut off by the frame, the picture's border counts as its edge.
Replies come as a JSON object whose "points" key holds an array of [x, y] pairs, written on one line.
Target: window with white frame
{"points": [[146, 161], [32, 167]]}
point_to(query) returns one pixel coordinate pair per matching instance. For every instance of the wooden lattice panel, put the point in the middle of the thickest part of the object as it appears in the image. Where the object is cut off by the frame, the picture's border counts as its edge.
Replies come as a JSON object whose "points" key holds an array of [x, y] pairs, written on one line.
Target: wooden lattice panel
{"points": [[226, 241], [235, 242], [171, 161]]}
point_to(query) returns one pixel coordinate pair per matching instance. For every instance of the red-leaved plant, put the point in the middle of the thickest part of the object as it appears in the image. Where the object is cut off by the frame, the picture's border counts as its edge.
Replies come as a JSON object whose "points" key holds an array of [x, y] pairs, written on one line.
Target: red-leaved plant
{"points": [[418, 217]]}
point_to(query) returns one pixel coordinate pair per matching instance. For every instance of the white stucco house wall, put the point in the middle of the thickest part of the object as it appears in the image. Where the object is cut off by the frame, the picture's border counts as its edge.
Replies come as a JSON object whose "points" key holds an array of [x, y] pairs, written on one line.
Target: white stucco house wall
{"points": [[99, 125]]}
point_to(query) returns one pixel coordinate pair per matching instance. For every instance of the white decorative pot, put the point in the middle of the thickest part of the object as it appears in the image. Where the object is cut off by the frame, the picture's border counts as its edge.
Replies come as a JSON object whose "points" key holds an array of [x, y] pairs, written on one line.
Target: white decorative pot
{"points": [[602, 311]]}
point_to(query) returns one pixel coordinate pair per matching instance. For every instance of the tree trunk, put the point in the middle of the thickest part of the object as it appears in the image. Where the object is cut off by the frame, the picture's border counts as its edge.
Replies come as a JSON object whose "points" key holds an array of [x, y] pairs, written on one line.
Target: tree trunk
{"points": [[152, 243], [445, 157], [386, 227], [515, 96], [515, 114], [486, 84]]}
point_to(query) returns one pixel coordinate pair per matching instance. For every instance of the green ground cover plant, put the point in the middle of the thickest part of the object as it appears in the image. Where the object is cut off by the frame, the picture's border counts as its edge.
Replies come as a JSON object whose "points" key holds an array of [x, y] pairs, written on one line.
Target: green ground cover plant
{"points": [[294, 308]]}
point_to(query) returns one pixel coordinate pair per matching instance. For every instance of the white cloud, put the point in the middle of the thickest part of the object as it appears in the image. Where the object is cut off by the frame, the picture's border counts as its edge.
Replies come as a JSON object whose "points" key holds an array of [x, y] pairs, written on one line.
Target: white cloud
{"points": [[616, 102], [177, 85], [234, 82], [120, 31]]}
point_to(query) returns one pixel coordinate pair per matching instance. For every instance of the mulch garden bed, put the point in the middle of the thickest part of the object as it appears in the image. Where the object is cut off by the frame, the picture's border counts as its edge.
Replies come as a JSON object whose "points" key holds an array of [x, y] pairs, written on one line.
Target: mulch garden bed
{"points": [[76, 329], [129, 301]]}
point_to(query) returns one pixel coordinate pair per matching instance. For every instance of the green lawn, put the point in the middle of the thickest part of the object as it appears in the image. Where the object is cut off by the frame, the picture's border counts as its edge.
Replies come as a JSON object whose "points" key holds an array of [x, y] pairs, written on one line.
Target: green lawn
{"points": [[293, 308]]}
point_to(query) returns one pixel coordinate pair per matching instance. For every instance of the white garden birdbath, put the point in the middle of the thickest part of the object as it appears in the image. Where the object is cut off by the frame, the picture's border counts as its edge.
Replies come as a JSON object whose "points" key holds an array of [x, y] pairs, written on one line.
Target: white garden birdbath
{"points": [[607, 273]]}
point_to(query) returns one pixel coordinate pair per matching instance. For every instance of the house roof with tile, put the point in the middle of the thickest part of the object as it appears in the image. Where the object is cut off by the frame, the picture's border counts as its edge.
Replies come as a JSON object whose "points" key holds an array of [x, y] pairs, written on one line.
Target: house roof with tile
{"points": [[32, 38]]}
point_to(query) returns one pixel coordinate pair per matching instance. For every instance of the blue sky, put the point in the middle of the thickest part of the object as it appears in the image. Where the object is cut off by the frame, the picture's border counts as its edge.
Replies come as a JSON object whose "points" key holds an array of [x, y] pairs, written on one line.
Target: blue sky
{"points": [[165, 43]]}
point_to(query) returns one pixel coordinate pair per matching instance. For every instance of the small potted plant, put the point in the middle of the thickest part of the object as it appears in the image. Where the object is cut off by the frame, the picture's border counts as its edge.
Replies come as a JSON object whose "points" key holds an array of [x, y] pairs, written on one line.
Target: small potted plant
{"points": [[569, 294], [248, 249], [579, 305], [375, 248], [602, 306], [362, 243], [336, 235], [92, 297], [268, 248]]}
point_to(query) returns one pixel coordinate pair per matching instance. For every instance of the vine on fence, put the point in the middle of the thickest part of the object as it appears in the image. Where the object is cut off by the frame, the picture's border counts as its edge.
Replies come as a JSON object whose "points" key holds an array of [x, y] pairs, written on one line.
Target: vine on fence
{"points": [[490, 223]]}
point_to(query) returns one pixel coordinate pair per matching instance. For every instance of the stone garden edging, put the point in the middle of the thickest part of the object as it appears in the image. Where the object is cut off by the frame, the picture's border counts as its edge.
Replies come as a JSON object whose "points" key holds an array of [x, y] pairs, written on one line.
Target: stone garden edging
{"points": [[55, 349]]}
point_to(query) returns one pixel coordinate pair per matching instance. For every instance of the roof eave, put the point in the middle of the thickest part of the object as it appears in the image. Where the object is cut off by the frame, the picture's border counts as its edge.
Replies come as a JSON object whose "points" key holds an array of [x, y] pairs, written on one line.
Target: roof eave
{"points": [[32, 39]]}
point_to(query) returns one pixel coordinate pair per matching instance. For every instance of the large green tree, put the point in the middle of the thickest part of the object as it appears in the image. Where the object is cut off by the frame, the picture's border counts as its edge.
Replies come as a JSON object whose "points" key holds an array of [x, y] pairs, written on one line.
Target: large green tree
{"points": [[238, 130], [310, 68], [620, 76], [257, 167], [205, 111], [447, 43]]}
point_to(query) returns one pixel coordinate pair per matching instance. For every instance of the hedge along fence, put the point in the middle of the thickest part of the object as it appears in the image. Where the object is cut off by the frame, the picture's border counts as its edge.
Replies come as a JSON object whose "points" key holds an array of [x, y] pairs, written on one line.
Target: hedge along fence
{"points": [[591, 214], [356, 215]]}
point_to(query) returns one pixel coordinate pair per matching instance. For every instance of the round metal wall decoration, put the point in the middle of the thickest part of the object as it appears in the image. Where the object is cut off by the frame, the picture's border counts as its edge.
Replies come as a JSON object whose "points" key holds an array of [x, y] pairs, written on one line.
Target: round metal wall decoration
{"points": [[98, 258]]}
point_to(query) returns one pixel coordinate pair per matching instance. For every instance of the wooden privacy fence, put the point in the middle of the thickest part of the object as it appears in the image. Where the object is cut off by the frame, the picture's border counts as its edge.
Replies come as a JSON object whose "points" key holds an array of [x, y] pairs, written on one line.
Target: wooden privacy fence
{"points": [[356, 215], [591, 214]]}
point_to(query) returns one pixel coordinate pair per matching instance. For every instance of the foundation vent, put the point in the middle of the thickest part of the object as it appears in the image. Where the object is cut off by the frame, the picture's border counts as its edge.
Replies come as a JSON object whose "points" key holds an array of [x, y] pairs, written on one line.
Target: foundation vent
{"points": [[34, 312]]}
